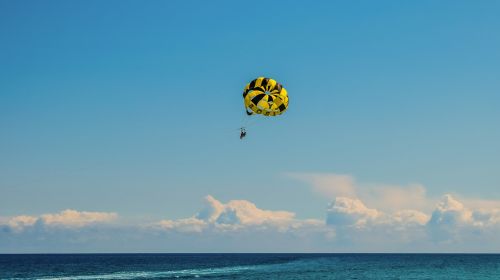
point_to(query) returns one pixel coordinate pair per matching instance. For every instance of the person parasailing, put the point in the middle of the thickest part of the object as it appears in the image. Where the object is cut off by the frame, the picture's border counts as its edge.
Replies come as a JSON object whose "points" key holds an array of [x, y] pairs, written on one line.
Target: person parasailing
{"points": [[243, 133], [266, 97]]}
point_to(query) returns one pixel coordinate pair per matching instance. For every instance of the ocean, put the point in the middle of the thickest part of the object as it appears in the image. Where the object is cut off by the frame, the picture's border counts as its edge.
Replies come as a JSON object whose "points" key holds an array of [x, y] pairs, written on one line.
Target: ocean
{"points": [[249, 266]]}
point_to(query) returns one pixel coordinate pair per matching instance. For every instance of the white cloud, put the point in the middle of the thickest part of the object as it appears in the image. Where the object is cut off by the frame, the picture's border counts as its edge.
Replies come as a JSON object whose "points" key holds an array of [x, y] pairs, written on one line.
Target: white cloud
{"points": [[66, 218], [452, 227], [246, 213], [410, 218], [450, 211], [486, 217], [481, 203], [73, 218], [351, 225], [184, 225], [211, 210], [396, 198], [380, 196], [450, 220], [348, 211], [234, 215], [18, 223]]}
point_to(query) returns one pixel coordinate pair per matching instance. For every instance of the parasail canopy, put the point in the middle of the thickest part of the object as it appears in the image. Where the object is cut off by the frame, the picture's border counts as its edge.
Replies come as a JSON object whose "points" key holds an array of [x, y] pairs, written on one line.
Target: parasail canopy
{"points": [[265, 96]]}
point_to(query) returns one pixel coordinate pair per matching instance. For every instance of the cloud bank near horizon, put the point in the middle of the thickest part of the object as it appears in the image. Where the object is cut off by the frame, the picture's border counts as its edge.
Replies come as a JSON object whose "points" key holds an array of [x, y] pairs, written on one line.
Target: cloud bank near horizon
{"points": [[351, 223], [65, 219]]}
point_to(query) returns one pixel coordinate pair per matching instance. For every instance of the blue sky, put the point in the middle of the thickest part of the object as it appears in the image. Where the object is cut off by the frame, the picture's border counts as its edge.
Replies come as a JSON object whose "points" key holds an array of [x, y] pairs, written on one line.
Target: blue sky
{"points": [[133, 107]]}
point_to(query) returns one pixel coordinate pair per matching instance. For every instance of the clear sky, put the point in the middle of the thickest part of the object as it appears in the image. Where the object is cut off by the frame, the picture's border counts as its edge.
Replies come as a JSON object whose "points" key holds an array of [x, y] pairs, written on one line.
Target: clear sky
{"points": [[132, 107]]}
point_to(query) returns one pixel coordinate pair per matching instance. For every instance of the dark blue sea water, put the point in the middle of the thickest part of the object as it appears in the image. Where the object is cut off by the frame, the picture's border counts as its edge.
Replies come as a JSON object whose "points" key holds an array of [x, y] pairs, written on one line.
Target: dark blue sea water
{"points": [[250, 266]]}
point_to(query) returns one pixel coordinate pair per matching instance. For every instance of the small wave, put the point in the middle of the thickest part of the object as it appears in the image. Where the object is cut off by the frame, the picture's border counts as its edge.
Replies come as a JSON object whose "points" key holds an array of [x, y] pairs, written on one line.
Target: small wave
{"points": [[185, 273], [293, 265]]}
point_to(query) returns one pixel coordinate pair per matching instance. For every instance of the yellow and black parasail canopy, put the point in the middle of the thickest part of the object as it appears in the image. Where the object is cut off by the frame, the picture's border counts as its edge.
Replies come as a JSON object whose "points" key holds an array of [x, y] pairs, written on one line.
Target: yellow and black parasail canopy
{"points": [[265, 96]]}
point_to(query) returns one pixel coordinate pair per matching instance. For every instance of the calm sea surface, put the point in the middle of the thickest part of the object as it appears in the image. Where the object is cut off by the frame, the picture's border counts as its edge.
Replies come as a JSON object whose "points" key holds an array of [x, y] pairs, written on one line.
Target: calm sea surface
{"points": [[250, 266]]}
